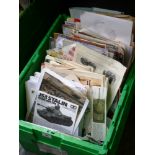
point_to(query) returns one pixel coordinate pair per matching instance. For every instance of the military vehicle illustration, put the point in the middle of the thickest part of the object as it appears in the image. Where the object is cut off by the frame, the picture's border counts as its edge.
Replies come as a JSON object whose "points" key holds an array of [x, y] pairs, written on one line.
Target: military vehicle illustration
{"points": [[119, 57], [86, 62], [110, 76], [54, 115]]}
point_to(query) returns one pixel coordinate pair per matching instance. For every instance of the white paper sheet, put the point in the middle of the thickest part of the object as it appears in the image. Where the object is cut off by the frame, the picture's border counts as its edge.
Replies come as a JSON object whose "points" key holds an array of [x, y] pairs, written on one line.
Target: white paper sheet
{"points": [[109, 27]]}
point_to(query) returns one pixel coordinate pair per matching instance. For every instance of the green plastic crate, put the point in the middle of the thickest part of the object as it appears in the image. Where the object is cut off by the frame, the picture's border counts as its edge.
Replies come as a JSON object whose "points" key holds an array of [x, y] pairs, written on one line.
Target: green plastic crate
{"points": [[44, 141]]}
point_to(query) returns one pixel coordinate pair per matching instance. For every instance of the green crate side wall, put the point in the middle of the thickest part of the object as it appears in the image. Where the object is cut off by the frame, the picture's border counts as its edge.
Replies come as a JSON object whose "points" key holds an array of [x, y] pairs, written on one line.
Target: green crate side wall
{"points": [[121, 113], [27, 31], [35, 61], [34, 23], [57, 140], [29, 72], [114, 145]]}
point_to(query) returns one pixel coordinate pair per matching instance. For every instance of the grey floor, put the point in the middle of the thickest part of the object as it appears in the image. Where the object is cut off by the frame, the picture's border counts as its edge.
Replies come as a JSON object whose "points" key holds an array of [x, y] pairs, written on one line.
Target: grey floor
{"points": [[23, 152]]}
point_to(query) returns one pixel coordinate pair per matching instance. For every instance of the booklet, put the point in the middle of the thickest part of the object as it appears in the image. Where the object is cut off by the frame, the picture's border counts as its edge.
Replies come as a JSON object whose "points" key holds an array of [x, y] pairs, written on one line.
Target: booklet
{"points": [[56, 113], [55, 85]]}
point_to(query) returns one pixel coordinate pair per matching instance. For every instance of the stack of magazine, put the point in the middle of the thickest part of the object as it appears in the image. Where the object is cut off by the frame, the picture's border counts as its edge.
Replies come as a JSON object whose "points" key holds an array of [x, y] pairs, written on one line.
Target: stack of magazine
{"points": [[80, 78]]}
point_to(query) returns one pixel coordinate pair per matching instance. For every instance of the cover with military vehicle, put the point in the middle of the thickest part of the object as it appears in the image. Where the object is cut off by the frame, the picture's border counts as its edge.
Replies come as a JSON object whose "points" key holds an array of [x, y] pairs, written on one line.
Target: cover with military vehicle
{"points": [[55, 85], [55, 113]]}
